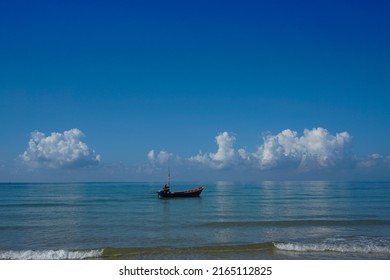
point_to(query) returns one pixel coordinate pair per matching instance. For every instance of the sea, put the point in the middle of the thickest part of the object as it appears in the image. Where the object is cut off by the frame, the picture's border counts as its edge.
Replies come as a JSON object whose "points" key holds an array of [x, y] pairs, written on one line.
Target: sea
{"points": [[243, 221]]}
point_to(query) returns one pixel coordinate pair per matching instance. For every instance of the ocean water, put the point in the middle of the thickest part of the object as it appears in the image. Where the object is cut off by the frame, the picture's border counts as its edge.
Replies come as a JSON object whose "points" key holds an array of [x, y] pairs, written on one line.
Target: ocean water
{"points": [[267, 220]]}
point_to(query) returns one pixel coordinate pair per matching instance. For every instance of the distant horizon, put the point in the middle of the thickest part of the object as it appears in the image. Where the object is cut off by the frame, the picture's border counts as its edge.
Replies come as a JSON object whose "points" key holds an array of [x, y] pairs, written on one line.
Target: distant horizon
{"points": [[192, 182]]}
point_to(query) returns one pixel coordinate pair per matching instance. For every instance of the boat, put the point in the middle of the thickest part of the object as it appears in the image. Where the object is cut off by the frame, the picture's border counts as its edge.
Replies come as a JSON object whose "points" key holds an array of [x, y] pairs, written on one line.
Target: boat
{"points": [[188, 193], [166, 191]]}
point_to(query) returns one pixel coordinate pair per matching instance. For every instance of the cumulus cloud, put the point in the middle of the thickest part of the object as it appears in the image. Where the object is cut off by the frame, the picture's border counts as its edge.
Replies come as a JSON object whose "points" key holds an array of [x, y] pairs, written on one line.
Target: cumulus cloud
{"points": [[59, 150], [161, 157], [316, 148], [313, 150], [224, 156]]}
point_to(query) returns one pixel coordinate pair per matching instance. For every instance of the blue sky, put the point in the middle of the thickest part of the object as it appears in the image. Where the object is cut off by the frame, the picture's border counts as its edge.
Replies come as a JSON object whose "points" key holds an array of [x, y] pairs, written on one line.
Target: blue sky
{"points": [[172, 76]]}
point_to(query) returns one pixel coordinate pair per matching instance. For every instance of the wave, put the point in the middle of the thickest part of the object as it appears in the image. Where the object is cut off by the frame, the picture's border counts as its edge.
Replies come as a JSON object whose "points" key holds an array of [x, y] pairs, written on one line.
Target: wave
{"points": [[133, 253], [360, 245], [345, 247], [50, 254]]}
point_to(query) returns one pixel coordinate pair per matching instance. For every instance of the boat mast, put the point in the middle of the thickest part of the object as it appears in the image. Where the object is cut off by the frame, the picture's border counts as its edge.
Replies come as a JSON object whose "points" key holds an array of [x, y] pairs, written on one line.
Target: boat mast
{"points": [[169, 177]]}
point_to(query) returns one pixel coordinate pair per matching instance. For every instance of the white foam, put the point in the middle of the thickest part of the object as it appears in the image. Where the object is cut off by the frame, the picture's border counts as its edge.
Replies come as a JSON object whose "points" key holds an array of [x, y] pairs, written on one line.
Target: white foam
{"points": [[340, 248], [49, 254]]}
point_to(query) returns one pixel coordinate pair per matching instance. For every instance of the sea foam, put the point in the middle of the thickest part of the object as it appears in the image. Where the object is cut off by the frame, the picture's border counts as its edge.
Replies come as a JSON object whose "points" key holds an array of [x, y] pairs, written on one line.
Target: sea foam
{"points": [[338, 246], [50, 254]]}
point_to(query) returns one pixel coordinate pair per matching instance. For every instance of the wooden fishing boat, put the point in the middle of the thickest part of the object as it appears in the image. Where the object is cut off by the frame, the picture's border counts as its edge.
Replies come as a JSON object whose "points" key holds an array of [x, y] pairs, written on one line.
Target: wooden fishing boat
{"points": [[166, 190], [188, 193]]}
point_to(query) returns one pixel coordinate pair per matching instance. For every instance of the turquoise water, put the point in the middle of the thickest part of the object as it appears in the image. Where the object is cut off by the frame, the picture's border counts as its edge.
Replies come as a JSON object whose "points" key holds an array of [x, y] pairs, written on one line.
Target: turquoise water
{"points": [[267, 220]]}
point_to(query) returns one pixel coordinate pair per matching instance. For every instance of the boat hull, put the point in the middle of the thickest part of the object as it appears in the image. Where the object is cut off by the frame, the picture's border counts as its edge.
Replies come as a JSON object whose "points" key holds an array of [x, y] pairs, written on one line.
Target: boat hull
{"points": [[188, 193]]}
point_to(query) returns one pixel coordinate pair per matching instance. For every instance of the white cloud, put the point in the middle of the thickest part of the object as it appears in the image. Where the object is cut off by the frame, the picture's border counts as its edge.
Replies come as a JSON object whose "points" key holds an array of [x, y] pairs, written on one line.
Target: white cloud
{"points": [[225, 151], [151, 155], [244, 155], [316, 148], [59, 150], [162, 157], [374, 160], [224, 156]]}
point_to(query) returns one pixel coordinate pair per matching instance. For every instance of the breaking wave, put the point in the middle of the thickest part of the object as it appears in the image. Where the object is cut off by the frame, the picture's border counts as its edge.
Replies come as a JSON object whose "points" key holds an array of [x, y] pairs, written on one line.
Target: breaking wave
{"points": [[50, 254], [340, 245]]}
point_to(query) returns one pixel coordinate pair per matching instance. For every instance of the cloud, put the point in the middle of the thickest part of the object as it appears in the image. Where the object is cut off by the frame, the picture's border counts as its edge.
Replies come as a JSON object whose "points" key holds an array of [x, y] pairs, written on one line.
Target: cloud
{"points": [[59, 150], [374, 160], [316, 148], [315, 152], [225, 155], [162, 157]]}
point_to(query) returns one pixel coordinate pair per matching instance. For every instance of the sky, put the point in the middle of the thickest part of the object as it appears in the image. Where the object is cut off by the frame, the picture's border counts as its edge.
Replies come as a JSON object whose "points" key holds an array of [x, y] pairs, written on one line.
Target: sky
{"points": [[217, 90]]}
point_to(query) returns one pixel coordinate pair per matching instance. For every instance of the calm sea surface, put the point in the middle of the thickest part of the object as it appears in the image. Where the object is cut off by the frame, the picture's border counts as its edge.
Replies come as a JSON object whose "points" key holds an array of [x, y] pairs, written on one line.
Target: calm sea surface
{"points": [[268, 220]]}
